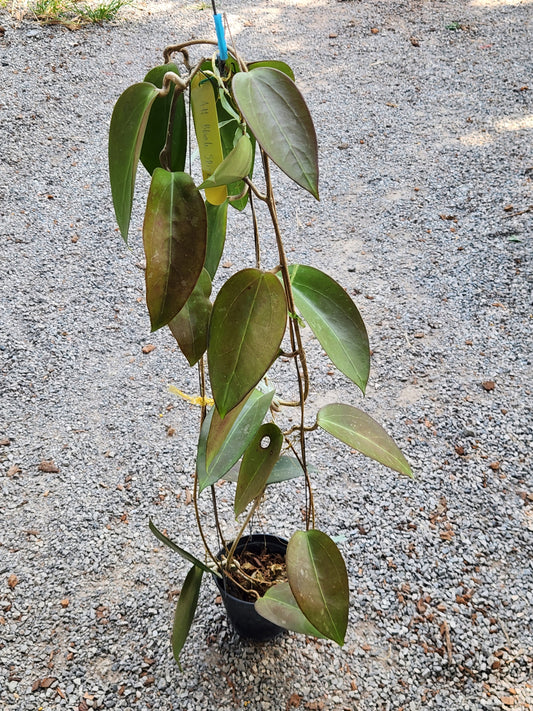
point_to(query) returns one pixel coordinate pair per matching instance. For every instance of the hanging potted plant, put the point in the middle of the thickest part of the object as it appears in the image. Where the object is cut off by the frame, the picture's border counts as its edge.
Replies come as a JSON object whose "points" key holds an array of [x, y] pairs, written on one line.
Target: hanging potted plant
{"points": [[246, 116]]}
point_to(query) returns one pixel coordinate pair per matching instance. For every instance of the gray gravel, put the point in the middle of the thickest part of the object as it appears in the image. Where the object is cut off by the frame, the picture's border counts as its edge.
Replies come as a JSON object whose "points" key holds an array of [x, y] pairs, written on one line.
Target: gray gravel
{"points": [[423, 112]]}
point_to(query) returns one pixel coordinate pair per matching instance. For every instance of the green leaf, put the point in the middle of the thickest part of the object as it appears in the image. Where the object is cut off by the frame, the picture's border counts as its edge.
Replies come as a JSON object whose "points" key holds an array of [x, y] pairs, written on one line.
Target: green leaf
{"points": [[228, 108], [185, 609], [189, 326], [183, 553], [319, 582], [231, 131], [335, 321], [279, 118], [223, 441], [175, 236], [274, 64], [279, 606], [247, 326], [156, 128], [221, 428], [359, 431], [235, 166], [285, 469], [126, 133], [257, 464], [201, 469], [217, 216]]}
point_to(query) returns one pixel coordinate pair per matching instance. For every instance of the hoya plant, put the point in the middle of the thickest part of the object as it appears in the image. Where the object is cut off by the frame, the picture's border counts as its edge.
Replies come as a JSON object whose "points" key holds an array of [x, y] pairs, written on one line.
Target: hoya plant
{"points": [[245, 117]]}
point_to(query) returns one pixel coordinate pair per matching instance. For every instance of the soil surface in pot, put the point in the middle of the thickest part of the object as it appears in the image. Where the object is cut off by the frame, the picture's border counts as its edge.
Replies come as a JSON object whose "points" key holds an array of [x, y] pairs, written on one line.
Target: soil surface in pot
{"points": [[256, 573]]}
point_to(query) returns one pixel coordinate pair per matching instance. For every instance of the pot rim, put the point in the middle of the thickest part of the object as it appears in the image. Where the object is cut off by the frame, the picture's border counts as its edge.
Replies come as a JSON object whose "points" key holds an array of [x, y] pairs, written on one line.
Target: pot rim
{"points": [[249, 538]]}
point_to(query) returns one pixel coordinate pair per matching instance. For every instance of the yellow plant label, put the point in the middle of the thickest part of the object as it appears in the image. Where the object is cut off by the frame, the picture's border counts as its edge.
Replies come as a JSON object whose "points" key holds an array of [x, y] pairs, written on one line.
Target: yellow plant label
{"points": [[204, 112], [194, 400]]}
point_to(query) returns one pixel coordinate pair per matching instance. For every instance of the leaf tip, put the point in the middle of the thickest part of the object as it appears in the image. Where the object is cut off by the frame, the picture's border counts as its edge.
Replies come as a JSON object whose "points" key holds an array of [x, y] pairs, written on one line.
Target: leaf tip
{"points": [[408, 472]]}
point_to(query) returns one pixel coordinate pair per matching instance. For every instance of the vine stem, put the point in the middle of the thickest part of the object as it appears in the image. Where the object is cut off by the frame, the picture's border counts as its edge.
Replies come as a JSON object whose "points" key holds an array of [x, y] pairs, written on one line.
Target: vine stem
{"points": [[307, 479], [165, 156], [295, 337], [255, 190], [295, 428], [238, 537], [198, 521], [256, 233], [201, 375], [295, 330], [169, 51], [180, 84]]}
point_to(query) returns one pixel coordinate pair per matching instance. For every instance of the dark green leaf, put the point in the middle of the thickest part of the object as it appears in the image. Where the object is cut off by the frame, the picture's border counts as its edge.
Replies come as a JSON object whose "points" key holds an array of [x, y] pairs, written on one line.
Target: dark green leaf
{"points": [[279, 118], [216, 235], [319, 582], [247, 326], [189, 326], [359, 431], [287, 468], [335, 321], [279, 606], [223, 441], [257, 464], [126, 132], [183, 553], [175, 236], [274, 64], [185, 609], [235, 166], [156, 128]]}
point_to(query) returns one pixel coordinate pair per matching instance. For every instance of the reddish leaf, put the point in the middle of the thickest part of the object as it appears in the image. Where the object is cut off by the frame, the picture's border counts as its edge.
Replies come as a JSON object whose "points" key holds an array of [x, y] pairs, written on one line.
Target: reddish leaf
{"points": [[175, 237]]}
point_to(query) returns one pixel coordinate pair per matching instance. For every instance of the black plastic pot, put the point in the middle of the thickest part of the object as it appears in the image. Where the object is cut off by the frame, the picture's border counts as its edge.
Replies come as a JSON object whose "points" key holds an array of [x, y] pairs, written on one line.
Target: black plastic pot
{"points": [[242, 615]]}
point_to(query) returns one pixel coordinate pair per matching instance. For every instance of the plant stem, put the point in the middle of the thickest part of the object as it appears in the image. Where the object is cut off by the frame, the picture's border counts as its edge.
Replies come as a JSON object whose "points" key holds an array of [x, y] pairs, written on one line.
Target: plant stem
{"points": [[294, 330], [255, 190], [169, 51], [294, 428], [232, 198], [198, 521], [310, 514], [238, 537], [295, 336], [256, 234], [165, 157], [201, 377], [217, 519]]}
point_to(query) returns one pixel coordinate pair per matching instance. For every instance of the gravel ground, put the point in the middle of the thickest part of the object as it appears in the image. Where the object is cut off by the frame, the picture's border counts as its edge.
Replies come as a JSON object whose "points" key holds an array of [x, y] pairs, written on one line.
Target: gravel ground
{"points": [[423, 112]]}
